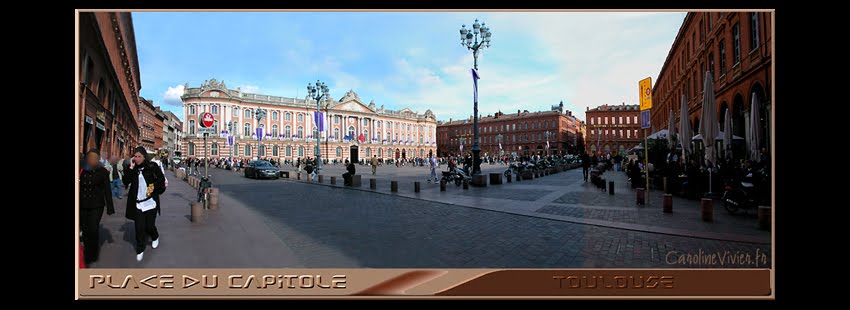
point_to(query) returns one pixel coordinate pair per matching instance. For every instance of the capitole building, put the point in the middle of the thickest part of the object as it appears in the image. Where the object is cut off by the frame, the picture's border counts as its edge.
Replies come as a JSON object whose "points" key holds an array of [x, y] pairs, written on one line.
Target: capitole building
{"points": [[289, 127]]}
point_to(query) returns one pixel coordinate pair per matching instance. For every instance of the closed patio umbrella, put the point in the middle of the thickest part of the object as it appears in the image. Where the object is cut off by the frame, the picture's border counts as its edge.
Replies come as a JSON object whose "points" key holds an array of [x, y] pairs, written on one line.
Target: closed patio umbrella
{"points": [[754, 129], [684, 130], [727, 136], [709, 126], [671, 127]]}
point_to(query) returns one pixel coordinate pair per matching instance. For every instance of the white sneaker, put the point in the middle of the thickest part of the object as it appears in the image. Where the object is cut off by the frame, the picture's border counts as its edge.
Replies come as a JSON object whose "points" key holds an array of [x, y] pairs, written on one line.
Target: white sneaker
{"points": [[140, 256], [155, 243]]}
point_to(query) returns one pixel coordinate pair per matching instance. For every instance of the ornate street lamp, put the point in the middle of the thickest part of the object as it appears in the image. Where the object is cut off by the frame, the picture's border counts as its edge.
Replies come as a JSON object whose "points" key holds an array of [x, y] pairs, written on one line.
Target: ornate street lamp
{"points": [[259, 114], [475, 40], [546, 135], [318, 92]]}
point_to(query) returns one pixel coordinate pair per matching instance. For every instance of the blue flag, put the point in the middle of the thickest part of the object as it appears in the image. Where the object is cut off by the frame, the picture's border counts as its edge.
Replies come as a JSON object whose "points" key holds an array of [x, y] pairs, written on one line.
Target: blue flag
{"points": [[319, 120], [475, 78]]}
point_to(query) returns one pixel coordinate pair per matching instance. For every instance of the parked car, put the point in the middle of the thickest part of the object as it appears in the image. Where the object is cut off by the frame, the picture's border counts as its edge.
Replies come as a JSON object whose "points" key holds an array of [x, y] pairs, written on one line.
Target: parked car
{"points": [[261, 169]]}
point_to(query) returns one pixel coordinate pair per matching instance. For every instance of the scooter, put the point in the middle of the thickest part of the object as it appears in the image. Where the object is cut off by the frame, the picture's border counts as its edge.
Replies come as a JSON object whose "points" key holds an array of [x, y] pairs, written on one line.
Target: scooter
{"points": [[741, 197], [456, 175]]}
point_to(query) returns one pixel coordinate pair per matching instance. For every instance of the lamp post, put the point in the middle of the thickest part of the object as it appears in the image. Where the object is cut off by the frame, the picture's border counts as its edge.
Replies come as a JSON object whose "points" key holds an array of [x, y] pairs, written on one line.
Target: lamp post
{"points": [[475, 40], [318, 92], [230, 128], [260, 115], [546, 135]]}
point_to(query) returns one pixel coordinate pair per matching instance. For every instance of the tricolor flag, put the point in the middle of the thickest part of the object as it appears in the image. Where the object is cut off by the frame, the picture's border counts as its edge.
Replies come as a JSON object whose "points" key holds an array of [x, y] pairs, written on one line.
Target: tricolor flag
{"points": [[361, 138], [475, 78]]}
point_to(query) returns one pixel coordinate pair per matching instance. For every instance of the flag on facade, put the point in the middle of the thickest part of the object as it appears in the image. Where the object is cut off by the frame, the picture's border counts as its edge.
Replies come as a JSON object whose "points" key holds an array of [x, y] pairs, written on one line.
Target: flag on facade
{"points": [[500, 146], [475, 78], [547, 144], [319, 120], [361, 138], [230, 140], [461, 148], [259, 133]]}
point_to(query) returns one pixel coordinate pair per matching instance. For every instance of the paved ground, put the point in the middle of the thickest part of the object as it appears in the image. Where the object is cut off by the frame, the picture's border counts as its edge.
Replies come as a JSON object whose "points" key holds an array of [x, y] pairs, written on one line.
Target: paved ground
{"points": [[550, 222]]}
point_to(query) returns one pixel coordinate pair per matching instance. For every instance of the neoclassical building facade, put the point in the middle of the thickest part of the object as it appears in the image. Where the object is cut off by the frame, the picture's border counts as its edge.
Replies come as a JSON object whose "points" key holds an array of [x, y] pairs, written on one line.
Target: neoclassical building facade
{"points": [[290, 130]]}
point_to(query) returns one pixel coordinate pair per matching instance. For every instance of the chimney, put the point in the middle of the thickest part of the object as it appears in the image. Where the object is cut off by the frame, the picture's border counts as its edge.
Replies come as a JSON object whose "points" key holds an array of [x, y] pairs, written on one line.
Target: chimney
{"points": [[517, 112]]}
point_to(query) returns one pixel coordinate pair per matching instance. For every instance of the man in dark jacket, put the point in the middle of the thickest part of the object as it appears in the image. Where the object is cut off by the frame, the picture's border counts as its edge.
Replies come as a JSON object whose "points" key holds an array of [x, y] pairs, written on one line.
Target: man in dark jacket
{"points": [[95, 194], [585, 165], [346, 177]]}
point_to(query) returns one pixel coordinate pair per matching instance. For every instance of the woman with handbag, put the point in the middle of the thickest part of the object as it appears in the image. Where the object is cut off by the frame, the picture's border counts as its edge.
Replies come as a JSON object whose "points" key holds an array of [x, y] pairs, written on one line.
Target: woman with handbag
{"points": [[146, 183]]}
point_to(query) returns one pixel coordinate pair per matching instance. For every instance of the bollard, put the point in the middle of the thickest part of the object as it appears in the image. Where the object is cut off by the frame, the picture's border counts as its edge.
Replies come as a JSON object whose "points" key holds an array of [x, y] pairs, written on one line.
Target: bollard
{"points": [[416, 187], [668, 203], [764, 217], [611, 187], [373, 184], [213, 198], [442, 185], [465, 184], [509, 178], [321, 178], [641, 192], [664, 179], [298, 176], [333, 180], [197, 212], [707, 210], [393, 186]]}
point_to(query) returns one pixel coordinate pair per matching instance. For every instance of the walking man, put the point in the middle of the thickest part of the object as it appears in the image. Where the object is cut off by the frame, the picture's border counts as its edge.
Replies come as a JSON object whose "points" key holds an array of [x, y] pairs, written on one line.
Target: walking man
{"points": [[116, 172], [374, 164], [433, 165], [585, 165]]}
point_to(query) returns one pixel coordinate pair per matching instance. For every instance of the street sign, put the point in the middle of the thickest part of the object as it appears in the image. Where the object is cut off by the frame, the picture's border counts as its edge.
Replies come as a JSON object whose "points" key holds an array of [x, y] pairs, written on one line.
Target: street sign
{"points": [[206, 120], [645, 87], [644, 119], [207, 130]]}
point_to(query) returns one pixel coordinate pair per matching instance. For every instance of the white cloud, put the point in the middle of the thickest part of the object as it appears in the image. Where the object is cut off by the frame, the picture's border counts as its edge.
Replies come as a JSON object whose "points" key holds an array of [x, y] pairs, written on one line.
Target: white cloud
{"points": [[172, 95]]}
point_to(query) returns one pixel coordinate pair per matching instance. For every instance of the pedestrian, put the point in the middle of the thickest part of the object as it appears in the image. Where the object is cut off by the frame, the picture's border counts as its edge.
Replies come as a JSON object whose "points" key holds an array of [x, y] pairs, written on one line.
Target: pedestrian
{"points": [[433, 165], [585, 165], [374, 164], [94, 196], [346, 177], [308, 167], [116, 171], [146, 183]]}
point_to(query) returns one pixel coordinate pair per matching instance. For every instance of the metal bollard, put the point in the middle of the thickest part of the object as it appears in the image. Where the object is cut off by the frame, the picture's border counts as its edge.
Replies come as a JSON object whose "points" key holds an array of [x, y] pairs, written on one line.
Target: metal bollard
{"points": [[416, 187], [298, 176], [509, 178], [668, 203], [465, 184], [373, 184], [707, 210], [321, 178], [764, 217], [611, 187], [197, 212], [333, 180], [442, 185], [641, 193], [213, 198], [664, 179], [394, 186]]}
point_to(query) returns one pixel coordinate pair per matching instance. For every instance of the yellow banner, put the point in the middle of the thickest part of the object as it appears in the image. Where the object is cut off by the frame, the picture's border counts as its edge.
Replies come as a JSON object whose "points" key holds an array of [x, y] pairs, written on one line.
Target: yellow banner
{"points": [[645, 86]]}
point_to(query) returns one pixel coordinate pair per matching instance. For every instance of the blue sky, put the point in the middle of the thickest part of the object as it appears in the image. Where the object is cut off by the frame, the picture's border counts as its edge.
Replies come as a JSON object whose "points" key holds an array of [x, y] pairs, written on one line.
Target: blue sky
{"points": [[408, 59]]}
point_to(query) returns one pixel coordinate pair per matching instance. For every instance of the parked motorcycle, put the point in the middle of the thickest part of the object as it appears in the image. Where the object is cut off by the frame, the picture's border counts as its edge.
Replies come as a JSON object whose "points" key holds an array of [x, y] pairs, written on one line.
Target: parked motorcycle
{"points": [[741, 196], [456, 175]]}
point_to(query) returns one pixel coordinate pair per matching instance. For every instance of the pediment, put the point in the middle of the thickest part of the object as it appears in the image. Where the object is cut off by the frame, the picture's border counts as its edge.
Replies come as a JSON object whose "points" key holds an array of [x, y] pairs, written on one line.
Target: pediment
{"points": [[353, 105]]}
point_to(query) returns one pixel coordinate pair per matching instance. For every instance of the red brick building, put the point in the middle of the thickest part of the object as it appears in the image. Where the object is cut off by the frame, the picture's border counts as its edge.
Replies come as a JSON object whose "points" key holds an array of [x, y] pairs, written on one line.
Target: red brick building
{"points": [[151, 129], [108, 71], [522, 133], [613, 129], [737, 48]]}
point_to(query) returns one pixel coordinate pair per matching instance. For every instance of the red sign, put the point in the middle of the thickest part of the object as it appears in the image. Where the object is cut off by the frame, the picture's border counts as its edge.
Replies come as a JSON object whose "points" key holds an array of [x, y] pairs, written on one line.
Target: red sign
{"points": [[207, 120]]}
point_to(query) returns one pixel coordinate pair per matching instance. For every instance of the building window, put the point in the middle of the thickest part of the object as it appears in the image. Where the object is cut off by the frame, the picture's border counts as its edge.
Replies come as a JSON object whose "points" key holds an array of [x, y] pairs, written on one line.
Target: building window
{"points": [[191, 110], [591, 121], [389, 137], [274, 132], [274, 115], [191, 127], [214, 149], [275, 151], [598, 120], [754, 30], [621, 120], [621, 134], [722, 63], [247, 149], [300, 117], [287, 116], [300, 151], [338, 151], [214, 109], [235, 149], [246, 113], [215, 126], [287, 132], [736, 44], [300, 132], [628, 134], [702, 30], [635, 120], [351, 132], [711, 63], [710, 15], [606, 120], [235, 110], [288, 151]]}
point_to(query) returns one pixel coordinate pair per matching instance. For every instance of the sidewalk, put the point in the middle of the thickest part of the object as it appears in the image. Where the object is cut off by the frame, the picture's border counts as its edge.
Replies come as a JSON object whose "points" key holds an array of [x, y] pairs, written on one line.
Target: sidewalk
{"points": [[233, 236], [566, 197]]}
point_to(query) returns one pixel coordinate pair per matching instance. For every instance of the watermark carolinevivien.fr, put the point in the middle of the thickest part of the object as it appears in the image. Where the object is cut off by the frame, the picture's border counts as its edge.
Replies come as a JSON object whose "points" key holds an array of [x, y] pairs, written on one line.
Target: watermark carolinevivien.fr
{"points": [[757, 258]]}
